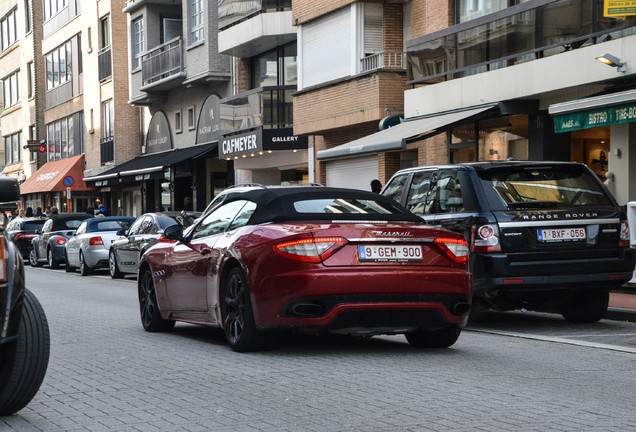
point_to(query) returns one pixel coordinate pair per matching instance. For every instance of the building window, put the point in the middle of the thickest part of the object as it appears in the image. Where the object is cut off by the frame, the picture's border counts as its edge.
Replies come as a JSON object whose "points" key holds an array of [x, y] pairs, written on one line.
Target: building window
{"points": [[177, 122], [191, 118], [12, 153], [104, 30], [31, 80], [137, 42], [275, 67], [196, 21], [59, 66], [65, 138], [9, 30], [27, 16], [53, 7], [11, 87], [107, 119]]}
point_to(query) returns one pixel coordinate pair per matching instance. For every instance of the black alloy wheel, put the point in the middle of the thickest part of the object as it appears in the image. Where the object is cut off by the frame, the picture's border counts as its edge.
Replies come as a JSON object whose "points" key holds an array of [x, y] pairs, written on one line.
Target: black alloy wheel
{"points": [[113, 268], [23, 362], [53, 263], [238, 316], [149, 311]]}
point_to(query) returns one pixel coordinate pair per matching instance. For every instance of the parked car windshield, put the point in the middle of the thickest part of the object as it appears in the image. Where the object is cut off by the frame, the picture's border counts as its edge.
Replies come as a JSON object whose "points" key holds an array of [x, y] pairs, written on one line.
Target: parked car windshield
{"points": [[542, 187], [344, 205]]}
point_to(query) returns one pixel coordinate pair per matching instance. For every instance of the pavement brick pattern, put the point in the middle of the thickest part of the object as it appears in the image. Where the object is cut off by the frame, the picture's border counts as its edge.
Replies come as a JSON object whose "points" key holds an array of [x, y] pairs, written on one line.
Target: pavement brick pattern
{"points": [[107, 374]]}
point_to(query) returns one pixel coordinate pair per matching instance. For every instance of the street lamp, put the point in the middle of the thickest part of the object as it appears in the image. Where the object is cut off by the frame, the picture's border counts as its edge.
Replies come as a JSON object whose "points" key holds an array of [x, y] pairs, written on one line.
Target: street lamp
{"points": [[613, 61]]}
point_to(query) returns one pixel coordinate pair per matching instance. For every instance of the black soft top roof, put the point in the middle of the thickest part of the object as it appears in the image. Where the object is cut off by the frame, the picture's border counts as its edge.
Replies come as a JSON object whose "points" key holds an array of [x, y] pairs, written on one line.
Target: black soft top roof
{"points": [[277, 205]]}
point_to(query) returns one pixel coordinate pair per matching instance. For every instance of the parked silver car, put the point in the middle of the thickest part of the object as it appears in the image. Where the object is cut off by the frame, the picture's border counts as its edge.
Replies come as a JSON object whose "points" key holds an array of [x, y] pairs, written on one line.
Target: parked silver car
{"points": [[88, 248]]}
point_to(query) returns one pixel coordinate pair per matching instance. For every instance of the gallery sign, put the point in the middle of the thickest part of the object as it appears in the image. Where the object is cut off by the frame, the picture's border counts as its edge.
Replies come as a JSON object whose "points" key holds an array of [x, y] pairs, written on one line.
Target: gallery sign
{"points": [[260, 140], [595, 118]]}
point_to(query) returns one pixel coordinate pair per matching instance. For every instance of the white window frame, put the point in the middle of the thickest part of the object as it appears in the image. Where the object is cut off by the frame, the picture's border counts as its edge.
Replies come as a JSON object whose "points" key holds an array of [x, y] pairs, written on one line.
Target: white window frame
{"points": [[9, 29], [190, 117], [136, 42], [178, 121], [196, 21]]}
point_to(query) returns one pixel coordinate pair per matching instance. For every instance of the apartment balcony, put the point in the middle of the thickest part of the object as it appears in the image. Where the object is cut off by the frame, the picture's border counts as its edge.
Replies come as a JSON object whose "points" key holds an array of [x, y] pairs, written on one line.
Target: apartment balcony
{"points": [[105, 63], [162, 67], [107, 150], [132, 5], [250, 28], [514, 35], [265, 107], [383, 60]]}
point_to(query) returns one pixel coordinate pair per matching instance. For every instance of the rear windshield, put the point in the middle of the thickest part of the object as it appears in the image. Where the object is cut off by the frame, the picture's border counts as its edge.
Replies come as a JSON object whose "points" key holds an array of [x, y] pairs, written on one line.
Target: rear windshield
{"points": [[344, 206], [33, 225], [110, 225], [545, 187]]}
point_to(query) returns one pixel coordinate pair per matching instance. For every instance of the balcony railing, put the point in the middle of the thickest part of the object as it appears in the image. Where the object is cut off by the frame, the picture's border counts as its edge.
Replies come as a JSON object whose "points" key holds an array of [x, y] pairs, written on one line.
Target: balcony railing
{"points": [[232, 12], [266, 107], [383, 60], [162, 62], [517, 34], [105, 63], [107, 150]]}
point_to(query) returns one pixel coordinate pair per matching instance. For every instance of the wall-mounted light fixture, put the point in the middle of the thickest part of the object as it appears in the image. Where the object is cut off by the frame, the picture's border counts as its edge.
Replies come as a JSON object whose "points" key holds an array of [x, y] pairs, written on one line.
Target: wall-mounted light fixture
{"points": [[610, 60]]}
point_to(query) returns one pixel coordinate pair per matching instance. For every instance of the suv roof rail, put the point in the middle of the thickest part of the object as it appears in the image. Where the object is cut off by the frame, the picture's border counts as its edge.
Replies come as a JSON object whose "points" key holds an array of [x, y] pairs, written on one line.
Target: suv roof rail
{"points": [[246, 185]]}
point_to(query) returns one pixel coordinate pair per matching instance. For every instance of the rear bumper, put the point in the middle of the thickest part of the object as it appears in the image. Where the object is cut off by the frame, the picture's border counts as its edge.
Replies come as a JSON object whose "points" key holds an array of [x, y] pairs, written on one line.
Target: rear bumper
{"points": [[495, 275], [382, 300]]}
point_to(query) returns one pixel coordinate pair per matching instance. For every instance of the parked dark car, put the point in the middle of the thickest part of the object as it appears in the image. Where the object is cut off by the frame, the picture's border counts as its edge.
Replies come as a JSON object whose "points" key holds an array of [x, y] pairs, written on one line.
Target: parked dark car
{"points": [[311, 259], [21, 231], [542, 234], [124, 254], [24, 331], [48, 246]]}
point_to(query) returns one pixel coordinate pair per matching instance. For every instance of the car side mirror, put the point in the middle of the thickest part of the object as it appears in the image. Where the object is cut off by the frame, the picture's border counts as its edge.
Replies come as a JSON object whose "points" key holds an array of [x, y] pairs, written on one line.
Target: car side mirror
{"points": [[9, 189], [174, 232]]}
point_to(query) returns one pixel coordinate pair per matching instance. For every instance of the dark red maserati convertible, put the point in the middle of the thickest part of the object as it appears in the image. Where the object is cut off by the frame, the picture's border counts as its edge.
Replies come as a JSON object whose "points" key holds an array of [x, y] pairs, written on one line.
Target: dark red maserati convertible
{"points": [[317, 259]]}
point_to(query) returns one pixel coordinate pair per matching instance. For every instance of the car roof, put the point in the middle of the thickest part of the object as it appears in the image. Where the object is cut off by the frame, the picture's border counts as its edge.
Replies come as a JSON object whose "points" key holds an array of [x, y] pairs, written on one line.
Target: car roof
{"points": [[101, 219], [71, 216], [486, 165], [277, 204]]}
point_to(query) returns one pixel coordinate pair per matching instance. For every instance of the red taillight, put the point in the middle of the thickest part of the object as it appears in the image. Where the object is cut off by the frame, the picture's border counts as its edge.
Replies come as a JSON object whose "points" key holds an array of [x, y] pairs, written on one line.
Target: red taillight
{"points": [[60, 240], [24, 236], [96, 241], [624, 236], [310, 250], [485, 238], [165, 240], [456, 249]]}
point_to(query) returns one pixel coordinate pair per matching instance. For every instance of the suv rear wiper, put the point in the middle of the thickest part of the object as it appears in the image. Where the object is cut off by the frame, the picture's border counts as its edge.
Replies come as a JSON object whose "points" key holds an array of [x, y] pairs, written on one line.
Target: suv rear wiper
{"points": [[533, 204]]}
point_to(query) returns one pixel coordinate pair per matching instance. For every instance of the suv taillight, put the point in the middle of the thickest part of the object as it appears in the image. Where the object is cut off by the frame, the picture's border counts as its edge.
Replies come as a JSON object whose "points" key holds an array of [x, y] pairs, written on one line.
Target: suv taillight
{"points": [[485, 238], [624, 236]]}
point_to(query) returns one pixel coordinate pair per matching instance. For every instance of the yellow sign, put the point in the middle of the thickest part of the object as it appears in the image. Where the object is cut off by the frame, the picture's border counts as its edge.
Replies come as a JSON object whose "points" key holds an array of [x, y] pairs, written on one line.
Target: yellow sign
{"points": [[619, 8]]}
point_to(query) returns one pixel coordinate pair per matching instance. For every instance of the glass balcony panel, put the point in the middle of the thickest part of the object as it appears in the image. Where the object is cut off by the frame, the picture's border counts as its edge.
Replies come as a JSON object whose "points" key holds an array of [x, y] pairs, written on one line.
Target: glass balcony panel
{"points": [[267, 107]]}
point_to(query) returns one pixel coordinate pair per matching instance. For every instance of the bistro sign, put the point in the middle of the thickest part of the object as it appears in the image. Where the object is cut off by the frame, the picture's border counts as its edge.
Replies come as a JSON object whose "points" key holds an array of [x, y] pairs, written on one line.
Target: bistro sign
{"points": [[595, 118]]}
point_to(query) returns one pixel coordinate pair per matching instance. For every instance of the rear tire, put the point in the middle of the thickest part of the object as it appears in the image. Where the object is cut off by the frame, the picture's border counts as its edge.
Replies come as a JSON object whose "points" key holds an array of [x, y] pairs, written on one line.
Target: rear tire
{"points": [[149, 311], [238, 316], [69, 268], [85, 270], [113, 268], [23, 362], [441, 338], [33, 258], [585, 307], [53, 263]]}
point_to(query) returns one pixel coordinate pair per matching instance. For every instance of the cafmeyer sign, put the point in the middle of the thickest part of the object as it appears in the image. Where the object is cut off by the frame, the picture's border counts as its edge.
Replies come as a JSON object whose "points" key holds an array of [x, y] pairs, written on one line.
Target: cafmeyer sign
{"points": [[237, 145]]}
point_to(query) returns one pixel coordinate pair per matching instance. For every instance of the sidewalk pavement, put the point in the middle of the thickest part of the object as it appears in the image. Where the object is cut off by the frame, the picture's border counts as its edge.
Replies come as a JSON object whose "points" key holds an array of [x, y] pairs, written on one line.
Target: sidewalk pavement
{"points": [[622, 304]]}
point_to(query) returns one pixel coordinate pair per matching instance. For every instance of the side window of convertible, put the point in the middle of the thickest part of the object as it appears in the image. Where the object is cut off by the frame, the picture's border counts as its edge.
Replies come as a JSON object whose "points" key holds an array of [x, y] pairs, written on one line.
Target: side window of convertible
{"points": [[47, 226], [243, 217], [218, 220]]}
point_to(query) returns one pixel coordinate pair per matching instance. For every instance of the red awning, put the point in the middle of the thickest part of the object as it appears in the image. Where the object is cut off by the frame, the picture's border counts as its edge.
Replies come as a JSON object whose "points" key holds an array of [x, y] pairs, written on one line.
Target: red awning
{"points": [[50, 178]]}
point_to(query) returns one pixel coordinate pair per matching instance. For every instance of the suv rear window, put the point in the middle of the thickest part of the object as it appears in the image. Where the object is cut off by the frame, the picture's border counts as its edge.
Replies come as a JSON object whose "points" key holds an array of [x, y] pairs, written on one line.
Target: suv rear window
{"points": [[542, 187]]}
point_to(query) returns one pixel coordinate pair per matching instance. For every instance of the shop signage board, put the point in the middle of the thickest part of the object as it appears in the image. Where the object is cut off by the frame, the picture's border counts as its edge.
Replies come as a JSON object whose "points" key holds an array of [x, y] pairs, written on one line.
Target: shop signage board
{"points": [[619, 8], [260, 140], [606, 116]]}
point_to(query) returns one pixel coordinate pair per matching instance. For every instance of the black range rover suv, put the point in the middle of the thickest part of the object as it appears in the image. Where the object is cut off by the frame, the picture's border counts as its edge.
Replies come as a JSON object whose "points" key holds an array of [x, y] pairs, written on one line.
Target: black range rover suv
{"points": [[542, 234]]}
